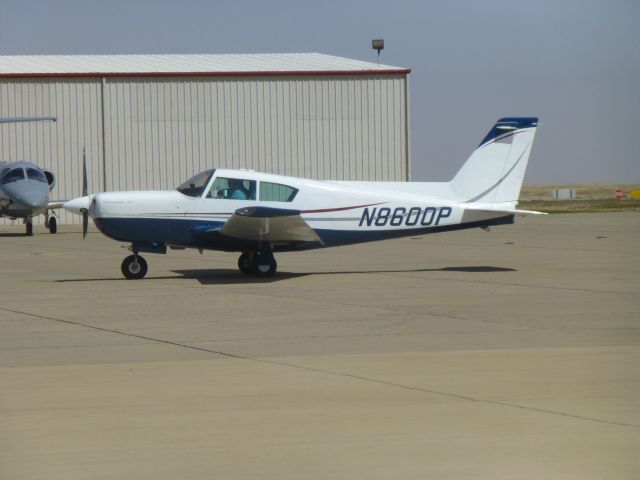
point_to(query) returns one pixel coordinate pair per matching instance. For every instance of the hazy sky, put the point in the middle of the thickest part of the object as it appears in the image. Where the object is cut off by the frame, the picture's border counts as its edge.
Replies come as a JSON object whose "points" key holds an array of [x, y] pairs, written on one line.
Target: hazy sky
{"points": [[575, 64]]}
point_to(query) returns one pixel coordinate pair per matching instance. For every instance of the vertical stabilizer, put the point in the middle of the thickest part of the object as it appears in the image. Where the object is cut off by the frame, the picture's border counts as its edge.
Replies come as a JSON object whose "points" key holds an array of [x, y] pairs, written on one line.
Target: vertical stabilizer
{"points": [[495, 171]]}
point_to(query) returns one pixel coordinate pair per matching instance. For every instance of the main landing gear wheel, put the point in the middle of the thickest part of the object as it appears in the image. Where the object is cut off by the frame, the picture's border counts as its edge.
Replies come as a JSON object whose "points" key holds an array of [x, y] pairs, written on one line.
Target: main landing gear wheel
{"points": [[53, 225], [251, 262], [134, 267], [29, 231], [244, 263], [265, 270]]}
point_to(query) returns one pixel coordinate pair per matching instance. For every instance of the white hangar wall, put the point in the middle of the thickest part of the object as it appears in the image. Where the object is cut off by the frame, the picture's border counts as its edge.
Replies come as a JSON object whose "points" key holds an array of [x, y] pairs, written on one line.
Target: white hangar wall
{"points": [[159, 130]]}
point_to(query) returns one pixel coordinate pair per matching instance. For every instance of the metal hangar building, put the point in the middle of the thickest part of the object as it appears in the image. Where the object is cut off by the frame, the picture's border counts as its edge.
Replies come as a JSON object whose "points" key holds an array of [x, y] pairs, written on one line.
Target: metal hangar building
{"points": [[151, 121]]}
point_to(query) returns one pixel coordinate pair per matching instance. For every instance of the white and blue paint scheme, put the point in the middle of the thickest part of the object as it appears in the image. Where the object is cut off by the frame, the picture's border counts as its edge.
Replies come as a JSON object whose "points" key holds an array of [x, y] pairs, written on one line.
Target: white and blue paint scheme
{"points": [[259, 214]]}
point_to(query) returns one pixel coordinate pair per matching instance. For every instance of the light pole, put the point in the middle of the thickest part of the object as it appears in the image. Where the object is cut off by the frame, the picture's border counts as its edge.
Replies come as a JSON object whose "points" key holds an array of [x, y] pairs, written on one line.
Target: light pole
{"points": [[378, 44]]}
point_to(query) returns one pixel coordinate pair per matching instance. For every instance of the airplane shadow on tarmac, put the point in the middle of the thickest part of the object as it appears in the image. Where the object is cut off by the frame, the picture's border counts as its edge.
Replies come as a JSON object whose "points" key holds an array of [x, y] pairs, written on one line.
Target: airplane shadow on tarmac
{"points": [[35, 234], [232, 276], [227, 277], [12, 234]]}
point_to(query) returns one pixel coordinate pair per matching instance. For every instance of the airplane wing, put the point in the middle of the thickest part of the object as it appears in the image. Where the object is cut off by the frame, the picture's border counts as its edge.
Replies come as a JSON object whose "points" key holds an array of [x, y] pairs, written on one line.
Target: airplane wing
{"points": [[26, 119], [55, 204], [270, 225]]}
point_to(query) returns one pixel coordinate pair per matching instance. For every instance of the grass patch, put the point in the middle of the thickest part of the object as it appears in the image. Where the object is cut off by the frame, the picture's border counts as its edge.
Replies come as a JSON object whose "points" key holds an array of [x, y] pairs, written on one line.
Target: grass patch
{"points": [[589, 198]]}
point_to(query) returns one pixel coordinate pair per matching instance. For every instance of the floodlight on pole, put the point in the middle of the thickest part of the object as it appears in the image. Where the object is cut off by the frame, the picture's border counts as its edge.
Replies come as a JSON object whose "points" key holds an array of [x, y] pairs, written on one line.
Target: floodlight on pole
{"points": [[377, 44]]}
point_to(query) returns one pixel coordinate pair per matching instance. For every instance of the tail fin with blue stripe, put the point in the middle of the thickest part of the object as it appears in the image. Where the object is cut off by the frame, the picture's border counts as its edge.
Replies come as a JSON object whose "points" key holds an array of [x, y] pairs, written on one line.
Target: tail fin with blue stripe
{"points": [[495, 171]]}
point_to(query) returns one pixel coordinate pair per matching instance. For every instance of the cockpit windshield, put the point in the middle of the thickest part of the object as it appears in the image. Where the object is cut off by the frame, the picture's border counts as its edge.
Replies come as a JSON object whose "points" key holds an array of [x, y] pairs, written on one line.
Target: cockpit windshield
{"points": [[194, 187], [12, 175], [37, 175]]}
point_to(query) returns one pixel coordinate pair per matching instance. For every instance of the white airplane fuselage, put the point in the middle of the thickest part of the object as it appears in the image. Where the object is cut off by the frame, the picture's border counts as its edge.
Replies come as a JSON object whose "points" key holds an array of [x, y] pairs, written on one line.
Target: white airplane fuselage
{"points": [[338, 214]]}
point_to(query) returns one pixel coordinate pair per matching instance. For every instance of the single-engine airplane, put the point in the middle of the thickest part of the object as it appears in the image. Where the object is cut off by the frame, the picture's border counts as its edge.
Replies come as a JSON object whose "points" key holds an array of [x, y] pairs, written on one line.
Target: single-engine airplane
{"points": [[25, 187], [259, 214]]}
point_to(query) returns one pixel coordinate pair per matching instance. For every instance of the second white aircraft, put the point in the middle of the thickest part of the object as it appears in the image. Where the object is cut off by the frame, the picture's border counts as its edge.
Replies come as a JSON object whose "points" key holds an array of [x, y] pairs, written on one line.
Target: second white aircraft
{"points": [[259, 214]]}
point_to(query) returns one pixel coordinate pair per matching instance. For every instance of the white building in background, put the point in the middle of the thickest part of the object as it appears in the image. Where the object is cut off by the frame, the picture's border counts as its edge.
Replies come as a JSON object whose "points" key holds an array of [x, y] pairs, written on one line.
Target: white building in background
{"points": [[151, 121]]}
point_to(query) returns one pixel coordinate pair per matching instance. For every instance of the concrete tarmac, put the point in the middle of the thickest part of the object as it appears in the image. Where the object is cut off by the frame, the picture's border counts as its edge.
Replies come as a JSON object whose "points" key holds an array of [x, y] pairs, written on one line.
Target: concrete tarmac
{"points": [[464, 355]]}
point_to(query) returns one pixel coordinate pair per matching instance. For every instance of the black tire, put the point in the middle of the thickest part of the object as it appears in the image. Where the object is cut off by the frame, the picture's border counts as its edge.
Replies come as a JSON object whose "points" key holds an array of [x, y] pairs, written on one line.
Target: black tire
{"points": [[29, 231], [134, 267], [265, 270], [53, 225], [244, 263]]}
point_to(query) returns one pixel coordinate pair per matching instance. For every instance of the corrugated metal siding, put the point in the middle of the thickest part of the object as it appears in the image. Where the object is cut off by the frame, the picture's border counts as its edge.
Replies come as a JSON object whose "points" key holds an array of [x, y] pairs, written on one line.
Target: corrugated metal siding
{"points": [[159, 131]]}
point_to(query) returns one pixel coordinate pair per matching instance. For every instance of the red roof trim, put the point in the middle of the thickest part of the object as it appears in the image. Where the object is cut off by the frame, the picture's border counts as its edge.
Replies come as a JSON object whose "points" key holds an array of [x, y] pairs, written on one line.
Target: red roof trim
{"points": [[291, 73]]}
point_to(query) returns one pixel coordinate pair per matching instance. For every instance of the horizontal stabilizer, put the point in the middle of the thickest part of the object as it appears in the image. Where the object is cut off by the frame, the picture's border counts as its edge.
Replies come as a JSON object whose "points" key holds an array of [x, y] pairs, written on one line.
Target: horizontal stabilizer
{"points": [[525, 213], [472, 214]]}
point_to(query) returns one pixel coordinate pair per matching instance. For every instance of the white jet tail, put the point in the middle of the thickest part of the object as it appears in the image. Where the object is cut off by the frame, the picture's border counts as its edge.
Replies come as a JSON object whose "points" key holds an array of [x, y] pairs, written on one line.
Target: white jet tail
{"points": [[494, 172]]}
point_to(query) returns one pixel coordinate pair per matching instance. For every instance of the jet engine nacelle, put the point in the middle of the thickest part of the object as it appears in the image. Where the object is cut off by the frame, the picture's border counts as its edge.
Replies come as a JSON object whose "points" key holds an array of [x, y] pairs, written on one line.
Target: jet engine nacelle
{"points": [[51, 178]]}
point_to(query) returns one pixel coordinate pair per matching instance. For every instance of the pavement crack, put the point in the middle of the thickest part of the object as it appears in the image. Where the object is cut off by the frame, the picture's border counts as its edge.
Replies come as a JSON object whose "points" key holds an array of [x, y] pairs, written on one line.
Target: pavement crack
{"points": [[334, 373]]}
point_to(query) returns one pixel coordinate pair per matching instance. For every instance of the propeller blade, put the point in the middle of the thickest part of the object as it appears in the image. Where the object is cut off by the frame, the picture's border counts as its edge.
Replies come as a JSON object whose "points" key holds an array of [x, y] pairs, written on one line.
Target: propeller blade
{"points": [[85, 223], [84, 171]]}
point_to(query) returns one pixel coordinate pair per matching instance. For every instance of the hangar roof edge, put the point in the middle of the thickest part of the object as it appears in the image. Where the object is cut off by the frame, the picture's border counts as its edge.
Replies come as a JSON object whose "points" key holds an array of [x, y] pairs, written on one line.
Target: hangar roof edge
{"points": [[255, 64]]}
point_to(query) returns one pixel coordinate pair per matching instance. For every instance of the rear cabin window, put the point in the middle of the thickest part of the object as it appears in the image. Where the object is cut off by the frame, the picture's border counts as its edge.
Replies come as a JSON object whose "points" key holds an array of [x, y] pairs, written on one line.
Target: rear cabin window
{"points": [[276, 192]]}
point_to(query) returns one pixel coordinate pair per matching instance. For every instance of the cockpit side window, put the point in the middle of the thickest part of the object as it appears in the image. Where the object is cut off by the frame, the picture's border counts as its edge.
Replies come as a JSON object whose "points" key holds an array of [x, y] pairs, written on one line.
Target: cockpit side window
{"points": [[233, 189], [37, 175], [13, 175], [194, 187], [276, 192]]}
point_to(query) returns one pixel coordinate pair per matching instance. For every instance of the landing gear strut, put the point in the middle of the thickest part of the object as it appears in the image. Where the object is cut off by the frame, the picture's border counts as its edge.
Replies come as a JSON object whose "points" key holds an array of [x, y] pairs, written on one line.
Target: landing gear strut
{"points": [[134, 267]]}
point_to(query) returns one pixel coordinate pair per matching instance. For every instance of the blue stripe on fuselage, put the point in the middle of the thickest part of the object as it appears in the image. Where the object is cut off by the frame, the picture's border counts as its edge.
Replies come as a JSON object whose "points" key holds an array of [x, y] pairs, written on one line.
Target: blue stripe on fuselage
{"points": [[206, 234], [145, 230]]}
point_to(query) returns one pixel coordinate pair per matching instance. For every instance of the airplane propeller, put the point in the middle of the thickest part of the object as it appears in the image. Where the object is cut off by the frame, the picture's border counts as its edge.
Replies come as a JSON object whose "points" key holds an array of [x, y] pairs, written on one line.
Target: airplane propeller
{"points": [[81, 205]]}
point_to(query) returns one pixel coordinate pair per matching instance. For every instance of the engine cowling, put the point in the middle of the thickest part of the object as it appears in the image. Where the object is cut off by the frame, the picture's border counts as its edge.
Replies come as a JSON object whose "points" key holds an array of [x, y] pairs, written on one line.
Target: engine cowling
{"points": [[51, 178]]}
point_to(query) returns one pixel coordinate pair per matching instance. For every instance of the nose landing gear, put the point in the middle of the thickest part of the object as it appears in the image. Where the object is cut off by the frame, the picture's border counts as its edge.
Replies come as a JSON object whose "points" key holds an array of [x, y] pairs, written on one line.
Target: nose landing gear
{"points": [[134, 267], [50, 222]]}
